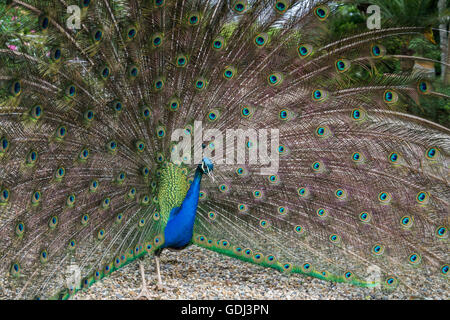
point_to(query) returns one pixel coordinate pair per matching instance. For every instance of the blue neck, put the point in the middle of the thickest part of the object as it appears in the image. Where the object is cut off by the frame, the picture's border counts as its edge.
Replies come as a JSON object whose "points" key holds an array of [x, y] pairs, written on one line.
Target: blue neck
{"points": [[179, 229]]}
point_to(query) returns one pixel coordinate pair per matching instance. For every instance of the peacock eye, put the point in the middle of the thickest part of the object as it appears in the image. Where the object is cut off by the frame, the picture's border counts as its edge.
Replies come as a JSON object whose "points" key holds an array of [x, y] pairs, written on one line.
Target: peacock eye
{"points": [[161, 132], [117, 106], [105, 72], [321, 212], [391, 282], [306, 267], [275, 79], [133, 72], [213, 115], [36, 112], [377, 51], [84, 154], [174, 104], [384, 197], [390, 97], [318, 167], [304, 50], [281, 6], [261, 40], [15, 269], [140, 146], [157, 40], [70, 201], [284, 114], [424, 87], [414, 259], [342, 65], [181, 61], [319, 95], [441, 232], [60, 172], [299, 229], [121, 177], [341, 194], [348, 275], [61, 132], [85, 3], [406, 221], [84, 219], [44, 22], [322, 12], [44, 256], [422, 197], [378, 249], [334, 238], [240, 6], [218, 43], [159, 3], [16, 88], [358, 157], [159, 84], [432, 153], [365, 217], [101, 234], [200, 84], [229, 73], [71, 91], [394, 157], [56, 54], [323, 132], [193, 19], [4, 145], [132, 33], [97, 35], [36, 197], [72, 244], [32, 157]]}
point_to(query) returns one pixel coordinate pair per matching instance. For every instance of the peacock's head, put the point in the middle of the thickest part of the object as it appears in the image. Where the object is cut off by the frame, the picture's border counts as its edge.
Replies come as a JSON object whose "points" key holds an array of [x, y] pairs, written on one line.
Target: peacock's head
{"points": [[206, 166]]}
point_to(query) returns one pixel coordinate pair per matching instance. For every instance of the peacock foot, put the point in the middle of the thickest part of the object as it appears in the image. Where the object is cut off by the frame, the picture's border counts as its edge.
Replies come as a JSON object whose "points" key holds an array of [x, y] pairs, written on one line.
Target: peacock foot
{"points": [[160, 287], [144, 294]]}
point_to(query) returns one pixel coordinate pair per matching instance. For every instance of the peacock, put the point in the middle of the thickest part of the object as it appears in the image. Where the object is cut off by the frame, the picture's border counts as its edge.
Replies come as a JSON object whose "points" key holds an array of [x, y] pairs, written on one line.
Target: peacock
{"points": [[128, 127]]}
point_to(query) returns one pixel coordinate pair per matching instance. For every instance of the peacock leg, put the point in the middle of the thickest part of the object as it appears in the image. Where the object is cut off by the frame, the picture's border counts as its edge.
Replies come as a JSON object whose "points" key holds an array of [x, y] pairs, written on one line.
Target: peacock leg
{"points": [[159, 285], [144, 291]]}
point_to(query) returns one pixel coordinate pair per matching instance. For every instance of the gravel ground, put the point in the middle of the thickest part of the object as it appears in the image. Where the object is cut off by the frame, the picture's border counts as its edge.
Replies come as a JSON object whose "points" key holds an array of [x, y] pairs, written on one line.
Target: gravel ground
{"points": [[197, 273]]}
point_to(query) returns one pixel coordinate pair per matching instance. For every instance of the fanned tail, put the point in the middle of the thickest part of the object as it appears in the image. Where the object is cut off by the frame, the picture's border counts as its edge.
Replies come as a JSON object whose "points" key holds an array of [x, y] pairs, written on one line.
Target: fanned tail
{"points": [[88, 115]]}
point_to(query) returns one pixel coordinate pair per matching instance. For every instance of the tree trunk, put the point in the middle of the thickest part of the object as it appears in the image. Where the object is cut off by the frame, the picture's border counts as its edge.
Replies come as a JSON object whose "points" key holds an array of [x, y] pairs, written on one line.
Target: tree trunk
{"points": [[447, 69], [445, 40]]}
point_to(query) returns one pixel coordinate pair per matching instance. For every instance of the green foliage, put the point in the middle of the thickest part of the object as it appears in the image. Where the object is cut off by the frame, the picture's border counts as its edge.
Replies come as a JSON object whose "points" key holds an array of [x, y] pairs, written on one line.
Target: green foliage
{"points": [[350, 18], [434, 108]]}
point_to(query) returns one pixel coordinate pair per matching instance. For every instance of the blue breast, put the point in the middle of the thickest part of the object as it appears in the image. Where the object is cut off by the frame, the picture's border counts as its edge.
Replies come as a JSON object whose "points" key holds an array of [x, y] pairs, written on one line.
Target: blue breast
{"points": [[180, 226]]}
